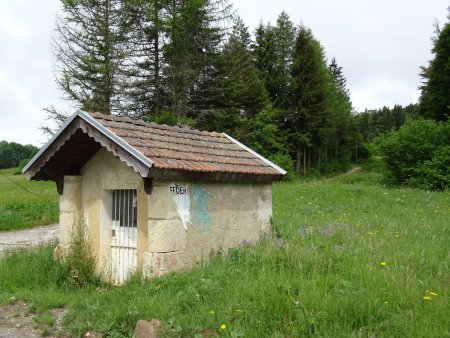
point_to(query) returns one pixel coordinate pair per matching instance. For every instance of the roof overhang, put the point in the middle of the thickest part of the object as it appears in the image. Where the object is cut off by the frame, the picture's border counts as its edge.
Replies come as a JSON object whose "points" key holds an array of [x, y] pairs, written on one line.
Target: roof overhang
{"points": [[254, 153], [82, 128]]}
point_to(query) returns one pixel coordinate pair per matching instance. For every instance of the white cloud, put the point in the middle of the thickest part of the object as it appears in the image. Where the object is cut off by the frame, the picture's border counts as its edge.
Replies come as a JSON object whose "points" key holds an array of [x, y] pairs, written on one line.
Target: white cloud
{"points": [[11, 25], [379, 43], [387, 90]]}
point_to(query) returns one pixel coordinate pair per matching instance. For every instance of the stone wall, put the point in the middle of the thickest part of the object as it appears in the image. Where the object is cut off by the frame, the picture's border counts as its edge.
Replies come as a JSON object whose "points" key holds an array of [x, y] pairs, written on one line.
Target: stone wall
{"points": [[102, 174], [179, 224], [188, 220]]}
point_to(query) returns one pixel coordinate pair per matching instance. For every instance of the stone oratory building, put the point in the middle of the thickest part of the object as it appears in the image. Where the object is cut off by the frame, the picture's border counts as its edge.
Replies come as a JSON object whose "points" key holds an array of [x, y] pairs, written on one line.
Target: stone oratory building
{"points": [[152, 197]]}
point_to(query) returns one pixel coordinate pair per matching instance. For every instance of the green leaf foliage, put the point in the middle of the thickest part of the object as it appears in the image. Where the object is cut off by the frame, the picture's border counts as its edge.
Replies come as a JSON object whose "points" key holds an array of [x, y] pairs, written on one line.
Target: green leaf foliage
{"points": [[435, 96], [11, 153], [195, 63], [417, 154]]}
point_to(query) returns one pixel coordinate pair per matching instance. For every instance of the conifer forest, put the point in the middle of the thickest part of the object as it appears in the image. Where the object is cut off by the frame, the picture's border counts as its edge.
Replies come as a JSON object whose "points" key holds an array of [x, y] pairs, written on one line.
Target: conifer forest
{"points": [[196, 63]]}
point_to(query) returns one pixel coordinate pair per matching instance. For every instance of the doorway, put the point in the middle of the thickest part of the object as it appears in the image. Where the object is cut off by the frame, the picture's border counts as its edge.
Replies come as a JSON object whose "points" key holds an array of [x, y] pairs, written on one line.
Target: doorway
{"points": [[123, 234]]}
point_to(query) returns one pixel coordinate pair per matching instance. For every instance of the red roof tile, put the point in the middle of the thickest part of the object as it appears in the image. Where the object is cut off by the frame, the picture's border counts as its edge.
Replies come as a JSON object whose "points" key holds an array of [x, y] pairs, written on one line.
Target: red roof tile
{"points": [[184, 148]]}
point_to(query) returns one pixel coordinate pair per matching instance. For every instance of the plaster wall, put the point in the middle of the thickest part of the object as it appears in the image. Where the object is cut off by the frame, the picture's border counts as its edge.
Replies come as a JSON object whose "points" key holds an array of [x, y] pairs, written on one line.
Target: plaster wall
{"points": [[100, 175], [178, 224], [188, 220], [69, 209]]}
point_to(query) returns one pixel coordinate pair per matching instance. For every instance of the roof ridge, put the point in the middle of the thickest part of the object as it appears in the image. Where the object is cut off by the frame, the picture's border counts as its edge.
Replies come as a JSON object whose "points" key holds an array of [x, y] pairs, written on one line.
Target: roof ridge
{"points": [[140, 122], [192, 136], [193, 151]]}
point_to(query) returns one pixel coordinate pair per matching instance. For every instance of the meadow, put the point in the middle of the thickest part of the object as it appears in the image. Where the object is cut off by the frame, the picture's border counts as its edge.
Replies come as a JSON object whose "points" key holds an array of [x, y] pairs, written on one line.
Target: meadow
{"points": [[19, 208], [347, 257]]}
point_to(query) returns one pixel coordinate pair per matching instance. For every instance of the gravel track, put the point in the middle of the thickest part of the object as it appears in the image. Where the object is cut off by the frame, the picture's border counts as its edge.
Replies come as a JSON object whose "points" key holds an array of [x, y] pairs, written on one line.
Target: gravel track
{"points": [[28, 237]]}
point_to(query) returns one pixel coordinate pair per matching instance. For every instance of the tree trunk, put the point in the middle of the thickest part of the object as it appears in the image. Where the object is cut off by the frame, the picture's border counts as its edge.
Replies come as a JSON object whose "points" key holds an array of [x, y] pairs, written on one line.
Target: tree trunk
{"points": [[309, 160], [304, 161], [107, 91], [157, 80], [336, 150], [319, 158], [298, 160]]}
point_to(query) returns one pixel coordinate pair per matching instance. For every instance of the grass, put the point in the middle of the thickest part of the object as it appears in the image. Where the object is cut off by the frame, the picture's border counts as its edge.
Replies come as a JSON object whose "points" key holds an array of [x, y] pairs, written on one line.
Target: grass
{"points": [[344, 260], [21, 209]]}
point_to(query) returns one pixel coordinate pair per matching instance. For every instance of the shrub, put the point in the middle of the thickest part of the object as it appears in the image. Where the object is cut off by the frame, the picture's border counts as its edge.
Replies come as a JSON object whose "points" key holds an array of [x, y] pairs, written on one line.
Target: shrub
{"points": [[285, 162], [77, 269], [22, 165], [435, 172], [415, 155]]}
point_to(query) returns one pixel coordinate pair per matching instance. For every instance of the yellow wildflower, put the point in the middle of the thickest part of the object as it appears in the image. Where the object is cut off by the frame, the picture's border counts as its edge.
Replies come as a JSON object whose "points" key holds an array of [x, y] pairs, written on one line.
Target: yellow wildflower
{"points": [[383, 263], [426, 298], [433, 294], [211, 312], [223, 326]]}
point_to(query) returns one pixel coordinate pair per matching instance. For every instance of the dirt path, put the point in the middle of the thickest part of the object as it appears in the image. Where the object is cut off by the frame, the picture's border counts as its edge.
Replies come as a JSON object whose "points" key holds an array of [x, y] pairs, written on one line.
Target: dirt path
{"points": [[15, 319], [28, 237], [350, 172]]}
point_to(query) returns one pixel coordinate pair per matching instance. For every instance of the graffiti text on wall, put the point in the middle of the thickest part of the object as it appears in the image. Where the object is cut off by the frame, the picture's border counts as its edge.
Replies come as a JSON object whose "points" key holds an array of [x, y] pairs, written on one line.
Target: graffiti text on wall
{"points": [[183, 202], [178, 189]]}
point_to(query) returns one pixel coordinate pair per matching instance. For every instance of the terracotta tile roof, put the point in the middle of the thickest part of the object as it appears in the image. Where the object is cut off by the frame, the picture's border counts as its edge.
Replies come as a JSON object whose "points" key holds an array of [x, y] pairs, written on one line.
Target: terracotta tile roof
{"points": [[184, 148]]}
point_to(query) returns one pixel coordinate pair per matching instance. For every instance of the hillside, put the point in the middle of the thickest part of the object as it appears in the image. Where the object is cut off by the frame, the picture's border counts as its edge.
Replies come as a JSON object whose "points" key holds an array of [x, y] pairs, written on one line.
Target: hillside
{"points": [[24, 204], [348, 257]]}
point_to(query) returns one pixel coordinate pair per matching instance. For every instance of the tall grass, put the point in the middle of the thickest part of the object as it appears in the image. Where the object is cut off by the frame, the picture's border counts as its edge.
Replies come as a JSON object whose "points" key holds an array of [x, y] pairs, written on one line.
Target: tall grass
{"points": [[22, 209], [344, 260]]}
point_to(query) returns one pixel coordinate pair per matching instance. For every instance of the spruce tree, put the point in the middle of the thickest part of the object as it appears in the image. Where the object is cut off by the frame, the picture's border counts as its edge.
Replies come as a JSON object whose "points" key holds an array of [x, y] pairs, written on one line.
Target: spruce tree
{"points": [[195, 31], [284, 39], [143, 26], [339, 78], [309, 95], [244, 89], [435, 92], [263, 50], [337, 129]]}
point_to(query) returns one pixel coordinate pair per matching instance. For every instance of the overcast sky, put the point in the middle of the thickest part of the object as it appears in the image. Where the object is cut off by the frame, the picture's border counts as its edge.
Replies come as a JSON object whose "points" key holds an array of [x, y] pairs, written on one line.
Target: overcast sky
{"points": [[379, 43]]}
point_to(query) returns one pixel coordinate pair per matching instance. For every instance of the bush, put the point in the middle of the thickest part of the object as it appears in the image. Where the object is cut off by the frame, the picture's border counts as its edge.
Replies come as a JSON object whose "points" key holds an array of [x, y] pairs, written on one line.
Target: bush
{"points": [[77, 269], [285, 162], [435, 172], [22, 165], [417, 154]]}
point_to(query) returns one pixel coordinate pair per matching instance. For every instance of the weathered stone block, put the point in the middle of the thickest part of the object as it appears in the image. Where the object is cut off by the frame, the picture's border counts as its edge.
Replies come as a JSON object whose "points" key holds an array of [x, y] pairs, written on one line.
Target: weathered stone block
{"points": [[159, 263], [161, 204], [145, 329], [166, 235]]}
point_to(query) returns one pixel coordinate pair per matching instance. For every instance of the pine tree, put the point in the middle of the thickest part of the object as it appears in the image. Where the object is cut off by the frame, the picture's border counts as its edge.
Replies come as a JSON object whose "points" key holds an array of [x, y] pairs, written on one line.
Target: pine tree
{"points": [[143, 26], [284, 38], [308, 101], [263, 51], [244, 88], [435, 95], [87, 57], [195, 32], [338, 120], [244, 93], [338, 78]]}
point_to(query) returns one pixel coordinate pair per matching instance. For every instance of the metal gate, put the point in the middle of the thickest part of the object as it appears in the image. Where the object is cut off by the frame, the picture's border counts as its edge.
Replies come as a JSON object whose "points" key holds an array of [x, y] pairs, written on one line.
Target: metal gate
{"points": [[123, 234]]}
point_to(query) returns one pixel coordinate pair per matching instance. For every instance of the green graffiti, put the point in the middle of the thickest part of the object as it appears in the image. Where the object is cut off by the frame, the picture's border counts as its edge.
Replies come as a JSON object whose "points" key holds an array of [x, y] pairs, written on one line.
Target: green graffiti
{"points": [[202, 220]]}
